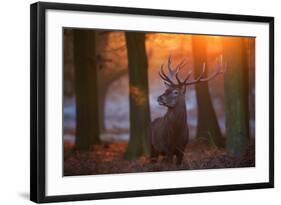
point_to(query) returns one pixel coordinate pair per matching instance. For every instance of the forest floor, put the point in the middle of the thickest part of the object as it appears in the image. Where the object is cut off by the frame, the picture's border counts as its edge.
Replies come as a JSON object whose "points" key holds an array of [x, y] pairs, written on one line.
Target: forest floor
{"points": [[107, 158]]}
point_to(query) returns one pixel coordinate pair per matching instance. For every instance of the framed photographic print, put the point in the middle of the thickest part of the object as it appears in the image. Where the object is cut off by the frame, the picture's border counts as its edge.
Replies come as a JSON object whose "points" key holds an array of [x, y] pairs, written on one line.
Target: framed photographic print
{"points": [[129, 102]]}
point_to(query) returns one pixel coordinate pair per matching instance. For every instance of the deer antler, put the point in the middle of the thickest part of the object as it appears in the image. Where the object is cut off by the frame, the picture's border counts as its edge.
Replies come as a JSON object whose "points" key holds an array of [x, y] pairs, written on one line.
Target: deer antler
{"points": [[164, 77], [172, 72], [200, 77]]}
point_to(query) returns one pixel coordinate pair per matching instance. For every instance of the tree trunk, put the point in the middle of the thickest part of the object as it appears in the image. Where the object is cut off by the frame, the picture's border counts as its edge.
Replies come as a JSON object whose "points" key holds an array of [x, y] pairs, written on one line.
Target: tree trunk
{"points": [[139, 101], [236, 95], [207, 120], [87, 124]]}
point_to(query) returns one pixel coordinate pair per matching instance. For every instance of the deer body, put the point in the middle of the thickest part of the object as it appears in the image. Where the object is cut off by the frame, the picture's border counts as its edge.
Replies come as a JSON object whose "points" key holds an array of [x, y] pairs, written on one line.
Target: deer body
{"points": [[170, 138], [169, 135]]}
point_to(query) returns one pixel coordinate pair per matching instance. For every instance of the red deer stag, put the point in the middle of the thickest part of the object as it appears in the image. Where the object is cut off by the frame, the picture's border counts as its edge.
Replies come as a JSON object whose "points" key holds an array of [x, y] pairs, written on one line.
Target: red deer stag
{"points": [[168, 135]]}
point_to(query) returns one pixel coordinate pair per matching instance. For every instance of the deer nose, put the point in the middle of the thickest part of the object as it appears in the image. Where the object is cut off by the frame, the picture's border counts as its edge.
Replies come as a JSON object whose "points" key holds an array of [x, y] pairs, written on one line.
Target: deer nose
{"points": [[159, 99]]}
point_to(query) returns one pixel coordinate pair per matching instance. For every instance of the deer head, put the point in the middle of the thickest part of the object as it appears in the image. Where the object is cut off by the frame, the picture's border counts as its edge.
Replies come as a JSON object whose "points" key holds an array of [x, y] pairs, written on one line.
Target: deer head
{"points": [[175, 92]]}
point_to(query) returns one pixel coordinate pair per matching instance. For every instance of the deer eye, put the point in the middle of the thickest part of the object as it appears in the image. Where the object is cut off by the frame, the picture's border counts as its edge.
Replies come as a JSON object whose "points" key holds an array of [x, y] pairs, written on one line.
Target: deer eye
{"points": [[176, 92]]}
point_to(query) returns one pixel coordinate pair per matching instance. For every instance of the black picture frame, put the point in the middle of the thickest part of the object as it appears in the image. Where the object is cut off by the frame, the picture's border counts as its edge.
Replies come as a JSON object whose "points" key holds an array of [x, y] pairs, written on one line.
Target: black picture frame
{"points": [[38, 100]]}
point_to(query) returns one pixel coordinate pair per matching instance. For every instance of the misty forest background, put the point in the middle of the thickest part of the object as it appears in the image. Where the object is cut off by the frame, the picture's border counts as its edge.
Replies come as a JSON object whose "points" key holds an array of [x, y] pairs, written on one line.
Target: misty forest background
{"points": [[111, 85]]}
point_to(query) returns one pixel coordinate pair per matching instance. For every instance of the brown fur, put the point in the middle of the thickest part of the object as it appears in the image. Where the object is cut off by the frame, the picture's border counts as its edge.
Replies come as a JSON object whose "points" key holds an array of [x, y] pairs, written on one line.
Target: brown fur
{"points": [[168, 135]]}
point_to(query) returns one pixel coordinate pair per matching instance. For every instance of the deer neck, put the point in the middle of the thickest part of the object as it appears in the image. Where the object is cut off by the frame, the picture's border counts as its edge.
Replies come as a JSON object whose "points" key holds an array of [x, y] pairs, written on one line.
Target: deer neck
{"points": [[177, 115]]}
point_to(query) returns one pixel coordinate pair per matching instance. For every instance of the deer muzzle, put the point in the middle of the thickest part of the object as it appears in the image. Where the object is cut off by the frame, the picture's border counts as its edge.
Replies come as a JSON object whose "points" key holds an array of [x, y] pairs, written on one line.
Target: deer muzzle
{"points": [[161, 100]]}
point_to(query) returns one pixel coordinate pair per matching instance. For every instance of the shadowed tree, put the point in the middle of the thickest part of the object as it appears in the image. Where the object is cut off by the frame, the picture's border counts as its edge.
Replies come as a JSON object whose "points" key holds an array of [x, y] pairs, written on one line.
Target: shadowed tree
{"points": [[139, 101], [87, 126], [111, 66], [207, 120], [236, 95], [68, 67]]}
